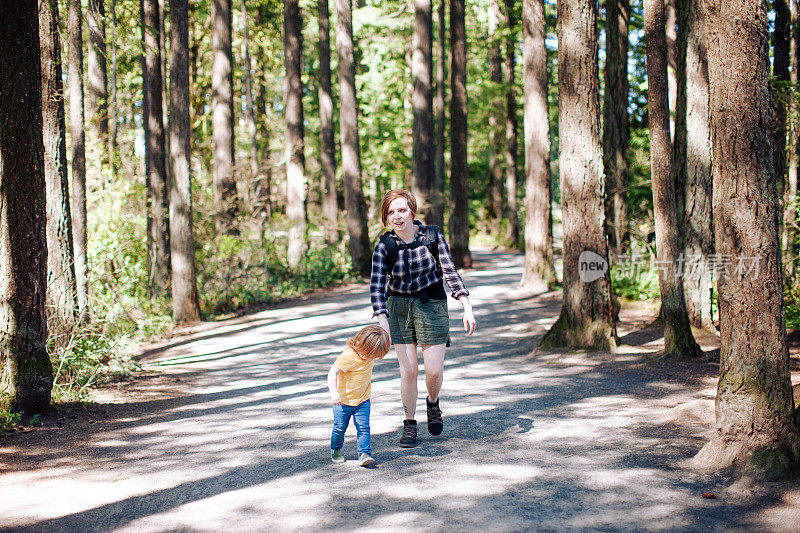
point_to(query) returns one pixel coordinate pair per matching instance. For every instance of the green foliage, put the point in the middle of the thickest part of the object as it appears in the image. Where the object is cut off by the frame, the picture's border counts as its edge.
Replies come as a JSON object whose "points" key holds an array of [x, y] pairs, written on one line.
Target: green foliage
{"points": [[9, 422], [639, 283], [791, 300]]}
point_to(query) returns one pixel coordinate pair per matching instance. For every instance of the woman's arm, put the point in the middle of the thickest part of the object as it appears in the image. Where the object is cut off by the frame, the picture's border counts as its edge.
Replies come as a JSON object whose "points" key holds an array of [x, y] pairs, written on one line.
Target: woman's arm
{"points": [[469, 317]]}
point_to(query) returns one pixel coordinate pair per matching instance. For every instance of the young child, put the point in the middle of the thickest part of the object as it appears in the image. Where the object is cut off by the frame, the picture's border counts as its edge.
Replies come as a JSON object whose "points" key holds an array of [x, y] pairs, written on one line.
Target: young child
{"points": [[349, 382]]}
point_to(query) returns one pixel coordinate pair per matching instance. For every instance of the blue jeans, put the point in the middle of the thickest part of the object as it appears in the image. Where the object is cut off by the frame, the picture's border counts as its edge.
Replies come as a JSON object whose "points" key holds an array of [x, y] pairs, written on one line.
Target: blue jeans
{"points": [[341, 418]]}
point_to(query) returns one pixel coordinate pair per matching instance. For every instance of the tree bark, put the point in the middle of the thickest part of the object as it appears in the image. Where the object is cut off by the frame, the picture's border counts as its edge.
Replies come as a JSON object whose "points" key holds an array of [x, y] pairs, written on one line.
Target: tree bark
{"points": [[112, 107], [691, 166], [512, 231], [437, 195], [615, 123], [226, 200], [539, 271], [422, 103], [26, 375], [97, 94], [62, 292], [585, 320], [185, 304], [250, 112], [789, 233], [678, 338], [754, 406], [327, 140], [495, 183], [78, 154], [155, 156], [295, 158], [263, 197], [780, 73], [459, 172], [351, 154], [672, 60]]}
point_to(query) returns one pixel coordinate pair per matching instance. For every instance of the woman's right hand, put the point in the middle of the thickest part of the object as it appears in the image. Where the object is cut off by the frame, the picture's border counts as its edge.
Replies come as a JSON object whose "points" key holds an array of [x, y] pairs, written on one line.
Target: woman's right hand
{"points": [[383, 322]]}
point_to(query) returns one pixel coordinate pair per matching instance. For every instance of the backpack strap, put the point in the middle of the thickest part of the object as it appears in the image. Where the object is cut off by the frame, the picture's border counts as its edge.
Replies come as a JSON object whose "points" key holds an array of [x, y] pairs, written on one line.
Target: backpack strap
{"points": [[391, 251], [430, 241]]}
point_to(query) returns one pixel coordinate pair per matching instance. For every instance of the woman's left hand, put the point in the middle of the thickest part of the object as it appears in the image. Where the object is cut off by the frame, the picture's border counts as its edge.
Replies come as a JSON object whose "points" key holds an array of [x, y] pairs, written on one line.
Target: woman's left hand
{"points": [[469, 322]]}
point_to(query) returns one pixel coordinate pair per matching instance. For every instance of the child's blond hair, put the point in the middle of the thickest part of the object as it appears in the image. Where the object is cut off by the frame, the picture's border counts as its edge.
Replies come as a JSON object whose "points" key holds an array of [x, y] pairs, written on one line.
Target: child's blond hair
{"points": [[372, 342]]}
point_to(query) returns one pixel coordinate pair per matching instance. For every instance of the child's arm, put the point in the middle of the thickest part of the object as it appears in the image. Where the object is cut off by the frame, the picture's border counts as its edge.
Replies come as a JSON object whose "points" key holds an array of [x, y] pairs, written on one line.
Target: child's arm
{"points": [[333, 374]]}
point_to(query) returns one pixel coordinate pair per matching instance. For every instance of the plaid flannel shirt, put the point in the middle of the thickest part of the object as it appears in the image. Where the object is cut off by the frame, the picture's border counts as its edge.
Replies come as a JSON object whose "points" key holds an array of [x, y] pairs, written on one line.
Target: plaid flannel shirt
{"points": [[414, 270]]}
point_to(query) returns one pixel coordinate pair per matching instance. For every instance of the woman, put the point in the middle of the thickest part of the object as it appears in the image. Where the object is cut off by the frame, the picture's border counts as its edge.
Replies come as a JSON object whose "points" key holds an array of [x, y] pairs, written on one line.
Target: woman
{"points": [[408, 298]]}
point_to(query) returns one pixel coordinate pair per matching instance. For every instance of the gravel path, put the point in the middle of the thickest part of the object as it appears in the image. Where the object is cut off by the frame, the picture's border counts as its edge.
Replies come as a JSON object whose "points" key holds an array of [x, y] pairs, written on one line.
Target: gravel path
{"points": [[229, 430]]}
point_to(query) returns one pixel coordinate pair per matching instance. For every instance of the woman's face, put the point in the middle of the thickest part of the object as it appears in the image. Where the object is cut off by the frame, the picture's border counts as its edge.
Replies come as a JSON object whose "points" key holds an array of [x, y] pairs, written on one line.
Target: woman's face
{"points": [[399, 214]]}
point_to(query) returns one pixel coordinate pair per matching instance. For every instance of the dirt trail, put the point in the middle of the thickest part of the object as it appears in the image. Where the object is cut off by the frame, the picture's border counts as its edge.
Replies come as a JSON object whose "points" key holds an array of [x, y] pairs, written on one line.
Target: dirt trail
{"points": [[230, 428]]}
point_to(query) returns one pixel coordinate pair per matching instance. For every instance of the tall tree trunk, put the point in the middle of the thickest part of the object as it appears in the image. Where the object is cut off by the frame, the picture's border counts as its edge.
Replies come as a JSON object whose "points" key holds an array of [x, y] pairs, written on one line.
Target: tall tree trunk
{"points": [[185, 304], [437, 194], [327, 141], [78, 154], [615, 123], [263, 197], [691, 165], [672, 60], [754, 406], [113, 109], [422, 103], [585, 320], [789, 233], [351, 154], [295, 158], [780, 74], [155, 157], [678, 338], [495, 183], [97, 93], [539, 271], [26, 375], [226, 200], [459, 172], [250, 112], [62, 295], [512, 233], [162, 45]]}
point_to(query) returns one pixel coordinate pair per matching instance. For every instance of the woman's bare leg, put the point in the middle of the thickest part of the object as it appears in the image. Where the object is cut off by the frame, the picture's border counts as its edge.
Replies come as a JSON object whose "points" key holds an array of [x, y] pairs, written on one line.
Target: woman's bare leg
{"points": [[409, 370], [433, 357]]}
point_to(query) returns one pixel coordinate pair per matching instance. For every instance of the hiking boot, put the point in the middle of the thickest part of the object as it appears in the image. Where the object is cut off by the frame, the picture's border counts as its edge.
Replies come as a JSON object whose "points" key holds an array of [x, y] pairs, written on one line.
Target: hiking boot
{"points": [[435, 424], [365, 459], [409, 438], [337, 456]]}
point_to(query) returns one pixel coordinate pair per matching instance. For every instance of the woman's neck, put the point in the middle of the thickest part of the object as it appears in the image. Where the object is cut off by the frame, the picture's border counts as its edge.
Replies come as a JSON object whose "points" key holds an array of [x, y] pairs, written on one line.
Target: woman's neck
{"points": [[408, 233]]}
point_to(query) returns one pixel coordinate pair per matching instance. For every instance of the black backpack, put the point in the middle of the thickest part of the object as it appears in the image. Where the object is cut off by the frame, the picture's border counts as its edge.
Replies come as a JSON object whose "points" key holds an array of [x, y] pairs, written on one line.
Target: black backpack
{"points": [[393, 247]]}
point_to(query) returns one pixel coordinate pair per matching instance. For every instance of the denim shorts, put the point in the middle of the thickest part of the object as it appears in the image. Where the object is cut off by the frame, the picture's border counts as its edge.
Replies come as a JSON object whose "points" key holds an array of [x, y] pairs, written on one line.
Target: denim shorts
{"points": [[418, 320]]}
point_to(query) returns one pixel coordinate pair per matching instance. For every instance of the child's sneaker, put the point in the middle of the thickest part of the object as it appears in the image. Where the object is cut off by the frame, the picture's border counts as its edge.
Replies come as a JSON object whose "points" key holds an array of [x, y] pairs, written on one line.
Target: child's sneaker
{"points": [[365, 459], [337, 456], [409, 438], [435, 424]]}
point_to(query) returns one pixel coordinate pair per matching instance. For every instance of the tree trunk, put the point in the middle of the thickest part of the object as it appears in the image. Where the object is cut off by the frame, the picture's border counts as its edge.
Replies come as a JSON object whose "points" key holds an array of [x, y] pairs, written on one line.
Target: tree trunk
{"points": [[295, 158], [185, 305], [97, 93], [113, 110], [78, 154], [62, 295], [539, 271], [780, 75], [672, 60], [692, 163], [615, 123], [226, 200], [263, 196], [754, 406], [26, 375], [351, 154], [162, 45], [422, 103], [155, 157], [789, 233], [495, 182], [512, 233], [437, 193], [249, 109], [459, 172], [678, 338], [327, 141], [585, 320]]}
